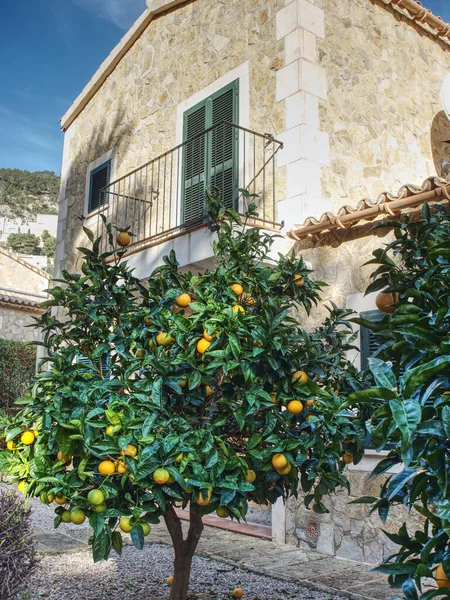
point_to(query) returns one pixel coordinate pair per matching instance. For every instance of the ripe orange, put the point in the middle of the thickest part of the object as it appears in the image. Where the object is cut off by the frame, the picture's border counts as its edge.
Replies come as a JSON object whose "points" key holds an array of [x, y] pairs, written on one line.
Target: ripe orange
{"points": [[65, 457], [125, 524], [164, 339], [106, 467], [299, 377], [123, 239], [208, 336], [237, 289], [77, 516], [238, 308], [129, 451], [11, 445], [385, 302], [295, 407], [298, 280], [148, 321], [202, 345], [121, 467], [279, 461], [309, 402], [27, 438], [208, 390], [183, 300], [169, 580], [161, 476], [60, 498], [237, 593], [347, 458], [251, 476], [287, 469], [96, 497], [441, 578], [201, 500], [223, 512]]}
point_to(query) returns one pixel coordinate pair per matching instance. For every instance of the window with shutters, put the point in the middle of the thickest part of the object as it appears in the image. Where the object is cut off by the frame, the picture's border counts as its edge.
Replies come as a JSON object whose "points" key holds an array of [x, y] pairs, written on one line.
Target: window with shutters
{"points": [[99, 178], [210, 159]]}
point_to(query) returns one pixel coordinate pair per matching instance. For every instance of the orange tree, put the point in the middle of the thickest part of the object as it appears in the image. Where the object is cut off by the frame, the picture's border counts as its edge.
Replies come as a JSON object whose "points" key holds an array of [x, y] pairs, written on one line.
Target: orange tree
{"points": [[186, 391], [411, 396]]}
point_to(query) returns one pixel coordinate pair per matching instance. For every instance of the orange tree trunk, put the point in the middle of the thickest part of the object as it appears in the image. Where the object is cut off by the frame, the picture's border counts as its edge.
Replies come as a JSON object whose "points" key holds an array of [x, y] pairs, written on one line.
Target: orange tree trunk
{"points": [[184, 550]]}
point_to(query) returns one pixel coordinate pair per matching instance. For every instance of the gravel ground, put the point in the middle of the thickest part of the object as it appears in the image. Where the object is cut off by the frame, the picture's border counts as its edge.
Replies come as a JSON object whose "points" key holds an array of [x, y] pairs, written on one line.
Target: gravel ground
{"points": [[142, 574]]}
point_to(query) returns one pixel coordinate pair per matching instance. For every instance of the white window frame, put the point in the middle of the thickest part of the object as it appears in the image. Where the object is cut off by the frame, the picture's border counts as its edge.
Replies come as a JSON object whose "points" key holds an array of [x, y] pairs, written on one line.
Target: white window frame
{"points": [[110, 155]]}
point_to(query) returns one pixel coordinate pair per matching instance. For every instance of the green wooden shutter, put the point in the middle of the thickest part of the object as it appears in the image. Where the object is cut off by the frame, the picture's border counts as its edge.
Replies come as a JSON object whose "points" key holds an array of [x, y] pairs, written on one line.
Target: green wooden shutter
{"points": [[210, 160], [224, 145], [194, 166], [99, 178], [368, 340]]}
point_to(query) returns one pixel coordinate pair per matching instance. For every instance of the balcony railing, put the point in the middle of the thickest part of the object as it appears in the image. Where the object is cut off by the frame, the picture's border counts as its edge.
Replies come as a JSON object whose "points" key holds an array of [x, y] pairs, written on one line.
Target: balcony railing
{"points": [[166, 196]]}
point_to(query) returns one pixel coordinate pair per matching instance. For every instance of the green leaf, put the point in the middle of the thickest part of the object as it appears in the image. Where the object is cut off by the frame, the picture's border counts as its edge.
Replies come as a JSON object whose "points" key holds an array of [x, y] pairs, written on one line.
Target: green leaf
{"points": [[443, 510], [407, 415], [396, 568], [414, 378], [446, 420], [117, 542], [382, 372], [137, 537], [100, 547], [368, 396], [235, 345]]}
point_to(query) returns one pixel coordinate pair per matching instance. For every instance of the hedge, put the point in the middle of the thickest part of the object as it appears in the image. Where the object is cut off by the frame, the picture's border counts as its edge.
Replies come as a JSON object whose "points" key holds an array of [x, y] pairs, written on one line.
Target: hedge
{"points": [[17, 367]]}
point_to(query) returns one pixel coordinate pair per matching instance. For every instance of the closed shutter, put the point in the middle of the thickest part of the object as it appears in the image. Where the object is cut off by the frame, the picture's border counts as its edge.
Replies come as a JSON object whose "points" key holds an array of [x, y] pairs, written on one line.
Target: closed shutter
{"points": [[99, 179], [210, 160], [368, 339], [194, 166], [224, 146]]}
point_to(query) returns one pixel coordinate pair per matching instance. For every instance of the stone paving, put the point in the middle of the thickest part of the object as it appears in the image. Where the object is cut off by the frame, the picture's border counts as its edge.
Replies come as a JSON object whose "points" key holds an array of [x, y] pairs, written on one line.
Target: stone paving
{"points": [[311, 569]]}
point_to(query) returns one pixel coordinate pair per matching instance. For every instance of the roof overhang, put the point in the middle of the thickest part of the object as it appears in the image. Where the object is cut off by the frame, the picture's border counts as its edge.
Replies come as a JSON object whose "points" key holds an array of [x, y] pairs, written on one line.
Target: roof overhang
{"points": [[433, 189], [154, 9]]}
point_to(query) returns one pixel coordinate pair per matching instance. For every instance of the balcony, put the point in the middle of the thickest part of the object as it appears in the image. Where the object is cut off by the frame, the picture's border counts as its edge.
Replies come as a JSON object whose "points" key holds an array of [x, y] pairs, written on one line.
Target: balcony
{"points": [[165, 198]]}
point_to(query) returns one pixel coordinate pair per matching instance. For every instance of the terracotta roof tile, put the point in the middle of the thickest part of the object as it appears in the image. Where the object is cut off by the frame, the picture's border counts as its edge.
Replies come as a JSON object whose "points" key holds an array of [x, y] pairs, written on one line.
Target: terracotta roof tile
{"points": [[387, 203], [31, 301]]}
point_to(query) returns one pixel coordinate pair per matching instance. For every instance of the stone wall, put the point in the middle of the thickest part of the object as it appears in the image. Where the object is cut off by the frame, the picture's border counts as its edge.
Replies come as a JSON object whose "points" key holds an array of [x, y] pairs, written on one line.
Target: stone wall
{"points": [[384, 75], [16, 276], [13, 324], [178, 55]]}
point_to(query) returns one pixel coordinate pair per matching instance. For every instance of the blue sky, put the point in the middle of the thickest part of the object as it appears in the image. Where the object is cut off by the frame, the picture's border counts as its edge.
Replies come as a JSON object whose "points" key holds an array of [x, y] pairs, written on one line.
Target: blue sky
{"points": [[49, 50]]}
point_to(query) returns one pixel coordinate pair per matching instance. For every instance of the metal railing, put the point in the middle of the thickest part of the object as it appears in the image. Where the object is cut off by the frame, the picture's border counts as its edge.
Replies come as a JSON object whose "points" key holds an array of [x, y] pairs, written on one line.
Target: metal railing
{"points": [[166, 196]]}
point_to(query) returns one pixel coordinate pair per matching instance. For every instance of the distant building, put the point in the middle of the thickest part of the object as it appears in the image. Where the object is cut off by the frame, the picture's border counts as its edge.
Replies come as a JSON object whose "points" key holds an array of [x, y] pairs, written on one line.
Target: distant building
{"points": [[36, 226], [21, 292]]}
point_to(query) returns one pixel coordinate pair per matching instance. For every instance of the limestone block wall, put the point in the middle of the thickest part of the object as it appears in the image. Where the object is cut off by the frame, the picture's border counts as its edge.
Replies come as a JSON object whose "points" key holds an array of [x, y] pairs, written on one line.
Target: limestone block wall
{"points": [[16, 276], [13, 324], [384, 74], [135, 111]]}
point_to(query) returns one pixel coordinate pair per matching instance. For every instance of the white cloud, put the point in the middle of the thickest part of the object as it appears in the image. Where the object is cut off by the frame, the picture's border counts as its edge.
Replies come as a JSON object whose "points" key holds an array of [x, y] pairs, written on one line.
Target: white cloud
{"points": [[122, 13]]}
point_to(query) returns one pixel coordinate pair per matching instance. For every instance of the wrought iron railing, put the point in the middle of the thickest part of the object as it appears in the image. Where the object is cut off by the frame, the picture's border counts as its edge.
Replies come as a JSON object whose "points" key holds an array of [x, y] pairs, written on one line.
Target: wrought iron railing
{"points": [[166, 196]]}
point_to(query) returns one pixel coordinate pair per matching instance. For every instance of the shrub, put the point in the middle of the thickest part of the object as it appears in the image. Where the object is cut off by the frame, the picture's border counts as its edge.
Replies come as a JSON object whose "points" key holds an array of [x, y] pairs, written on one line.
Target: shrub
{"points": [[17, 548], [17, 367], [411, 400]]}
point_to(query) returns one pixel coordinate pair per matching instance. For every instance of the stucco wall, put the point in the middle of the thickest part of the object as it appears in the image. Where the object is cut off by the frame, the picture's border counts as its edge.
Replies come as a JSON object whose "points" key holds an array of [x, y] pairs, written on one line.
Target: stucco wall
{"points": [[179, 54], [15, 276], [384, 76]]}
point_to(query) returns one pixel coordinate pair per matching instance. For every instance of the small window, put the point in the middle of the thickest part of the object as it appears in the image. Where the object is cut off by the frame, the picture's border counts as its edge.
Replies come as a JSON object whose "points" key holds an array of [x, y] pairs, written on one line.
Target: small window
{"points": [[369, 342], [99, 179]]}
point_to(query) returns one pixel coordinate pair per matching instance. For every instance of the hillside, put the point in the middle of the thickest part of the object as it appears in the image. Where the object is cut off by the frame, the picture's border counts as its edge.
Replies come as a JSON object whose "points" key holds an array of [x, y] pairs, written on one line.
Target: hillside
{"points": [[23, 193]]}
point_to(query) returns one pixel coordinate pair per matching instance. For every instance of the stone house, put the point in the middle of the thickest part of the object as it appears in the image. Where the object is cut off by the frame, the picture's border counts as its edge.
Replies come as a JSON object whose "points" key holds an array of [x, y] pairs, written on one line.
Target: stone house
{"points": [[327, 110], [21, 291]]}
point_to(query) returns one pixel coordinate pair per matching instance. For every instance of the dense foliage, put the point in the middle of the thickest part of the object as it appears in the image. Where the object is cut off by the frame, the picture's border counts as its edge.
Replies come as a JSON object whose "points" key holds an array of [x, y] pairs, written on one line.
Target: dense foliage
{"points": [[27, 193], [17, 548], [24, 243], [411, 400], [17, 367], [188, 390]]}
